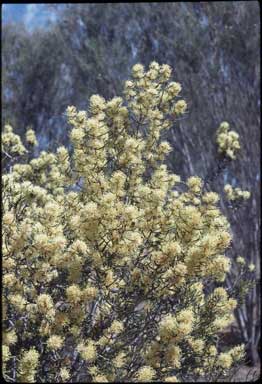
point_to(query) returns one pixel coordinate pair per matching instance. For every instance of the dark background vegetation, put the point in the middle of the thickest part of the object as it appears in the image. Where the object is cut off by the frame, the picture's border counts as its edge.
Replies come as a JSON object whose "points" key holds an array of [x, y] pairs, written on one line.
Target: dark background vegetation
{"points": [[214, 49]]}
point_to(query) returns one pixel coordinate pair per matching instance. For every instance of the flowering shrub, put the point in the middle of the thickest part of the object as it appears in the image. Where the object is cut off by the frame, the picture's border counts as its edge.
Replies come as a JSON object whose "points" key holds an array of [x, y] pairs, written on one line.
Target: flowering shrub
{"points": [[113, 266]]}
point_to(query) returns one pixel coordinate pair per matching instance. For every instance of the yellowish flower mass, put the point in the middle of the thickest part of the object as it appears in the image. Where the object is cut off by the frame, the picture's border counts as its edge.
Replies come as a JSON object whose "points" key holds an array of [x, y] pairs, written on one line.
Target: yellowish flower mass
{"points": [[54, 342], [236, 193], [107, 254], [228, 141], [145, 374], [87, 350]]}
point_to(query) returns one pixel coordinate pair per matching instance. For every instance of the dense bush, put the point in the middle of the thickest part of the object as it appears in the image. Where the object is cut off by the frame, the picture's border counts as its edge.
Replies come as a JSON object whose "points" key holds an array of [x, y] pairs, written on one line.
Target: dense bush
{"points": [[214, 49], [114, 267]]}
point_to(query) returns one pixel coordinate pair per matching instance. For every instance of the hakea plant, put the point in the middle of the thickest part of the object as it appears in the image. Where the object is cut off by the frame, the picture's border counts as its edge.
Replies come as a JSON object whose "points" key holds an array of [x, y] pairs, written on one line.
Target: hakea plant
{"points": [[113, 267]]}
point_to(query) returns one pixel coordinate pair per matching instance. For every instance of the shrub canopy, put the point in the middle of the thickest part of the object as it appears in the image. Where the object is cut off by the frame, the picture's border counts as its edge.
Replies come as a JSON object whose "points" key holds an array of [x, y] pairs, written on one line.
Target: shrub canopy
{"points": [[113, 266]]}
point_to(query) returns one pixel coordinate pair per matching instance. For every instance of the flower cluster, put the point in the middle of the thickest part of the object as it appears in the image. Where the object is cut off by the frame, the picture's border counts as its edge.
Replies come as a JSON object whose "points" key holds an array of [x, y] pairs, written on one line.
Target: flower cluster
{"points": [[228, 141], [235, 193], [31, 137], [11, 143], [108, 257]]}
